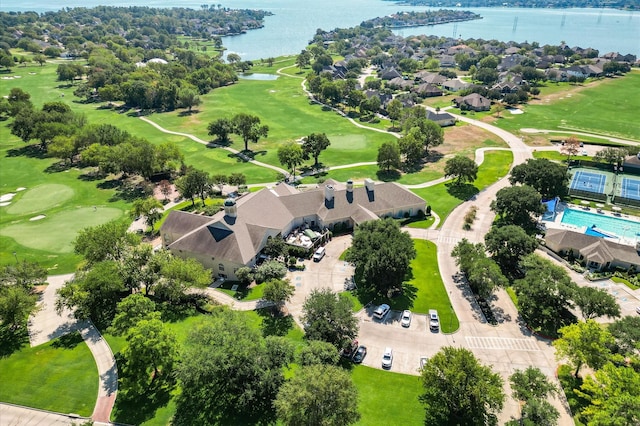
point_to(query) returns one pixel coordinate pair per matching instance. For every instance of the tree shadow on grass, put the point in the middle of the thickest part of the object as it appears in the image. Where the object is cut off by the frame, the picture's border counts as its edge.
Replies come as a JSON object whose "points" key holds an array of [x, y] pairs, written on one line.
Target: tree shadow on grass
{"points": [[463, 191], [404, 300], [57, 167], [132, 408], [12, 340], [31, 151], [68, 341], [275, 323], [388, 175], [188, 113]]}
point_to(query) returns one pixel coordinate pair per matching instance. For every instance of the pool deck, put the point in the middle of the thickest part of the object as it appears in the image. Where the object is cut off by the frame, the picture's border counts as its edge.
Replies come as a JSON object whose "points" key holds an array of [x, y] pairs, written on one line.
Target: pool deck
{"points": [[557, 223]]}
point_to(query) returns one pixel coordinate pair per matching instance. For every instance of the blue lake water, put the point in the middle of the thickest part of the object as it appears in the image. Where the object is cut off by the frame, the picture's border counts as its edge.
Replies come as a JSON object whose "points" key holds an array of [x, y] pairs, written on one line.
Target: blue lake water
{"points": [[294, 23], [619, 226]]}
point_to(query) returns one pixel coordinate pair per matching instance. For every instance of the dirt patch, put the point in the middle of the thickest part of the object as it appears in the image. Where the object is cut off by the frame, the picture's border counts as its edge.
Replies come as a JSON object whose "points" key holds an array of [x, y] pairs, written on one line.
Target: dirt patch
{"points": [[464, 140]]}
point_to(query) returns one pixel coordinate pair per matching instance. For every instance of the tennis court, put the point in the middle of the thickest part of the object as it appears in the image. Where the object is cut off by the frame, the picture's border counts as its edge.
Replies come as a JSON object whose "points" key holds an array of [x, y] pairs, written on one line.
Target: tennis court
{"points": [[589, 181], [630, 188]]}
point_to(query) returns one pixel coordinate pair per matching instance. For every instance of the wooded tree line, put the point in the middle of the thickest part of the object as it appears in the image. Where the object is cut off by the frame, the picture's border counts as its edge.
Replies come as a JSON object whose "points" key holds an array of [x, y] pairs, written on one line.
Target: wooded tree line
{"points": [[65, 134]]}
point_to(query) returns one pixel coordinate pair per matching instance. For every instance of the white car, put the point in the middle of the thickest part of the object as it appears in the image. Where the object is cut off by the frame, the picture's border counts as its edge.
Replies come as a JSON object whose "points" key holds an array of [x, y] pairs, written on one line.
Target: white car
{"points": [[434, 321], [405, 321], [387, 358], [381, 311]]}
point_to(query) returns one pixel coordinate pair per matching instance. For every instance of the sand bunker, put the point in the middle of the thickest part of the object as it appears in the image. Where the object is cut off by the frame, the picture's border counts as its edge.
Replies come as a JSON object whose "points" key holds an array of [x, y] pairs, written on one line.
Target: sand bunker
{"points": [[515, 111], [7, 197], [6, 203], [40, 216], [22, 188]]}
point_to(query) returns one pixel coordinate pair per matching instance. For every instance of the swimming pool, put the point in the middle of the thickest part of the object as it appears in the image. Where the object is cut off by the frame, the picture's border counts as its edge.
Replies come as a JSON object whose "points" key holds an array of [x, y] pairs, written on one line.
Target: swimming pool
{"points": [[619, 226]]}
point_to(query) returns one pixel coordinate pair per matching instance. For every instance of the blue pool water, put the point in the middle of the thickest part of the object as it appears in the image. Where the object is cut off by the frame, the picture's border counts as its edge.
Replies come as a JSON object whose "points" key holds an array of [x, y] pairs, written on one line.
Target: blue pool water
{"points": [[620, 227]]}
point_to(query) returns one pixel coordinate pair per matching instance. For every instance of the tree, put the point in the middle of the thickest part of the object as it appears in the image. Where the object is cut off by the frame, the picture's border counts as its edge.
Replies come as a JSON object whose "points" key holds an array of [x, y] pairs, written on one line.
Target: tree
{"points": [[411, 148], [389, 156], [626, 332], [313, 145], [318, 395], [508, 245], [428, 131], [16, 304], [233, 58], [394, 110], [278, 292], [544, 294], [194, 182], [570, 147], [148, 207], [23, 274], [611, 155], [149, 355], [237, 179], [318, 352], [382, 254], [517, 205], [227, 357], [40, 59], [459, 390], [130, 311], [221, 128], [104, 242], [467, 254], [290, 155], [614, 395], [275, 247], [269, 270], [93, 294], [548, 178], [537, 412], [462, 168], [485, 276], [329, 318], [249, 128], [165, 189], [594, 303], [531, 383], [188, 98], [178, 277], [584, 343], [303, 59], [63, 147]]}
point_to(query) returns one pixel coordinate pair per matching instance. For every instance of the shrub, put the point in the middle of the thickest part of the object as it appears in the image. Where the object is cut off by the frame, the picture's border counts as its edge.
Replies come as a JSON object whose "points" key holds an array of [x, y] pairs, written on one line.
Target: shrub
{"points": [[269, 270]]}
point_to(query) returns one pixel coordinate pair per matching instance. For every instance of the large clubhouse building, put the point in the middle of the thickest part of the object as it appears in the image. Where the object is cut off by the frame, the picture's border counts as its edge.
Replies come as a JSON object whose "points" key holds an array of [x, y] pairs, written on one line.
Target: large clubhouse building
{"points": [[235, 237]]}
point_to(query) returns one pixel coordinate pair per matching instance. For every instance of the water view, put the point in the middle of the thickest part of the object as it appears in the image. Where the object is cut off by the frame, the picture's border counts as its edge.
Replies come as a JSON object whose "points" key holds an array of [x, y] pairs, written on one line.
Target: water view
{"points": [[294, 23]]}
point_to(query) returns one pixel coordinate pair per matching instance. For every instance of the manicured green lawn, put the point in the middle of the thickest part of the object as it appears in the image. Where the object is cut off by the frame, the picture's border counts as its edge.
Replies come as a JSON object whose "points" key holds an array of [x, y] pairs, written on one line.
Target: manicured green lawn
{"points": [[387, 398], [551, 155], [605, 107], [444, 197], [242, 292], [59, 376], [422, 224]]}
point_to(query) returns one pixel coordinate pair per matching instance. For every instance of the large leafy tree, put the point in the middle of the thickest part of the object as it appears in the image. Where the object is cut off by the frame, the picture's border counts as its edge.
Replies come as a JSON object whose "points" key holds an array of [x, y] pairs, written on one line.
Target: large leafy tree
{"points": [[329, 318], [544, 294], [318, 395], [93, 294], [548, 178], [626, 332], [517, 205], [483, 274], [290, 155], [318, 352], [150, 208], [459, 390], [130, 311], [16, 304], [248, 127], [24, 274], [584, 343], [313, 145], [594, 303], [194, 182], [531, 383], [430, 132], [614, 395], [394, 110], [221, 128], [105, 242], [508, 245], [226, 357], [178, 277], [149, 355], [570, 147], [411, 148], [278, 292], [389, 156], [382, 254], [462, 168]]}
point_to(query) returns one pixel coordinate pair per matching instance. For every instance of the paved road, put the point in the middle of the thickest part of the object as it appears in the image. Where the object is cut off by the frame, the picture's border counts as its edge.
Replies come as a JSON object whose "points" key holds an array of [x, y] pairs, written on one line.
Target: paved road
{"points": [[15, 415]]}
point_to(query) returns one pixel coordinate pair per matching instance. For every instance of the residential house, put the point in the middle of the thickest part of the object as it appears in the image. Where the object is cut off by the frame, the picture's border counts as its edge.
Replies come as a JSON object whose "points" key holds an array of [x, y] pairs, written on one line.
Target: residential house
{"points": [[474, 102], [427, 90], [447, 61], [597, 253], [506, 87], [444, 119], [234, 238], [454, 85], [510, 61], [399, 83], [430, 77], [389, 73]]}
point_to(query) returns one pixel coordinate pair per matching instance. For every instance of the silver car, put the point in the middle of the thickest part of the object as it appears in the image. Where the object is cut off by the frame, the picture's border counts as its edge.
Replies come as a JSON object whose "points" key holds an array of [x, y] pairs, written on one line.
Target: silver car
{"points": [[405, 321], [434, 320], [387, 358]]}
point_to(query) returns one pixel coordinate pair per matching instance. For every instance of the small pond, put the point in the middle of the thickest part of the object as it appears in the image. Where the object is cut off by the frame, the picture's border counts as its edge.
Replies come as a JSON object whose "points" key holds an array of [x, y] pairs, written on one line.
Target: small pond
{"points": [[257, 76]]}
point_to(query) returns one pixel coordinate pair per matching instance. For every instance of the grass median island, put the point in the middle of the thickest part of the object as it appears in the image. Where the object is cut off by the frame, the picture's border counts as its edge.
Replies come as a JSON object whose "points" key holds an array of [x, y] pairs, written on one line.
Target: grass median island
{"points": [[60, 376], [387, 395], [444, 197]]}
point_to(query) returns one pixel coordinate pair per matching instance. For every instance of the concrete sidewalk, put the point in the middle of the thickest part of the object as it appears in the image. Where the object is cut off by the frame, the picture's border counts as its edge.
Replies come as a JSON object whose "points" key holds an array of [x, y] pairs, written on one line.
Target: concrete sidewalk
{"points": [[16, 415], [46, 324]]}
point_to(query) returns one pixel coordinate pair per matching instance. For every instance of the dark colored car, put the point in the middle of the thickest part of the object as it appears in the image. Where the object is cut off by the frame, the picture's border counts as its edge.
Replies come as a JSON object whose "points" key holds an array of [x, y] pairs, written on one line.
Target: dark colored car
{"points": [[361, 352], [350, 349]]}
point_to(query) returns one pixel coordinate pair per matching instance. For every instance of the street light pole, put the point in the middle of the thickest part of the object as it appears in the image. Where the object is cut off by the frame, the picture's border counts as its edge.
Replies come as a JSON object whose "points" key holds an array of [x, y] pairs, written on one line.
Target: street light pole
{"points": [[15, 255]]}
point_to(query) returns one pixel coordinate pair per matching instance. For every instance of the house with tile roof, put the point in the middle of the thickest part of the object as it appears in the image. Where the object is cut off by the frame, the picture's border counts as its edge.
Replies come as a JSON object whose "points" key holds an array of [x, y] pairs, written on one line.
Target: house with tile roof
{"points": [[235, 237], [597, 253]]}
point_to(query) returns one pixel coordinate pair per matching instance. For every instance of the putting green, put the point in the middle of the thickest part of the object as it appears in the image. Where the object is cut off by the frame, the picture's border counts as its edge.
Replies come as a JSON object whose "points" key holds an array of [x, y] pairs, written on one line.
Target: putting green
{"points": [[56, 233], [41, 198], [350, 142]]}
